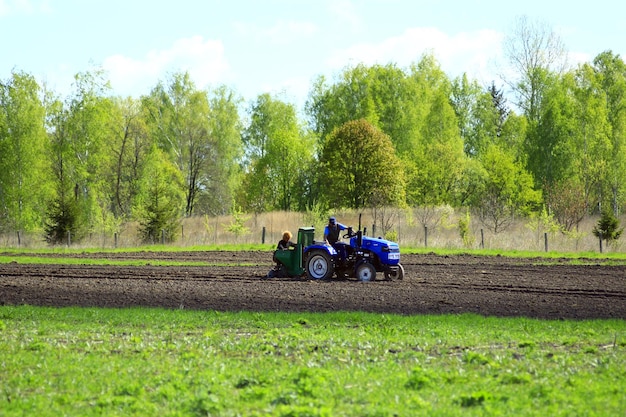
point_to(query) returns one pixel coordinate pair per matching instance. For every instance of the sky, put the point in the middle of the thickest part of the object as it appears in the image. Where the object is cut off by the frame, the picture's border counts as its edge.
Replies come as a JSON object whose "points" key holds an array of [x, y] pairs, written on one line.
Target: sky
{"points": [[281, 46]]}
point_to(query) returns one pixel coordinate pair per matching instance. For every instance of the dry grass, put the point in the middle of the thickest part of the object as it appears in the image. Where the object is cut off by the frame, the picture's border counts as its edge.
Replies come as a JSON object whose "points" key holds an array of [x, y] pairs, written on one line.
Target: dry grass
{"points": [[405, 226]]}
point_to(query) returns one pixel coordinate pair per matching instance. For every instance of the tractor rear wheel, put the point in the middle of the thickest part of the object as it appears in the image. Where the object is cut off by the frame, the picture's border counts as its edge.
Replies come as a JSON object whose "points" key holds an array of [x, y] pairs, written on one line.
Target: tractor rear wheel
{"points": [[319, 265], [365, 272]]}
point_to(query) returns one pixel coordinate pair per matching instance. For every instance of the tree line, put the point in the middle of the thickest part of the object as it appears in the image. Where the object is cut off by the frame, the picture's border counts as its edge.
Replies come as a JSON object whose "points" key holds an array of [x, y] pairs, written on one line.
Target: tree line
{"points": [[375, 136]]}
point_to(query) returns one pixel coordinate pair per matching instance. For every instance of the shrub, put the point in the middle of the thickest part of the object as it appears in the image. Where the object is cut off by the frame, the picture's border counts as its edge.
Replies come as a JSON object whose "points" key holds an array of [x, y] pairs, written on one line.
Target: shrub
{"points": [[608, 227]]}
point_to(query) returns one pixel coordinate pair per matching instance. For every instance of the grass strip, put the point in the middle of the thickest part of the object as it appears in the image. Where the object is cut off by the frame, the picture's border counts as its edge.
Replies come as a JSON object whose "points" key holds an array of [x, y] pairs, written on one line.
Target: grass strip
{"points": [[113, 262], [139, 361]]}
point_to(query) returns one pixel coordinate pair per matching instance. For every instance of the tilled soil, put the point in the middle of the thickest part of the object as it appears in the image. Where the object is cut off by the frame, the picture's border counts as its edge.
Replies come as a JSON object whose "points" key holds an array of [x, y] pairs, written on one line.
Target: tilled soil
{"points": [[490, 286]]}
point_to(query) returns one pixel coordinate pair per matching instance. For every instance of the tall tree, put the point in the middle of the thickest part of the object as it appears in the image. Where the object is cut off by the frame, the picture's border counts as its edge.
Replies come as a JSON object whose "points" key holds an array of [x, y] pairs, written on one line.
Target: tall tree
{"points": [[24, 185], [464, 96], [78, 129], [349, 98], [507, 190], [549, 143], [129, 144], [591, 139], [359, 168], [439, 162], [63, 214], [534, 51], [160, 199], [223, 173], [277, 151], [182, 121], [610, 72], [388, 97]]}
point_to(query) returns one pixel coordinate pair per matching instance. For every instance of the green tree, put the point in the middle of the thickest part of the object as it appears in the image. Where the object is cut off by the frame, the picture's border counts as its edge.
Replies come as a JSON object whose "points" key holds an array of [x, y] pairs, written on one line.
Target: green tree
{"points": [[87, 114], [608, 227], [610, 72], [564, 202], [129, 144], [508, 190], [349, 98], [63, 213], [390, 98], [359, 168], [548, 143], [24, 185], [159, 203], [591, 140], [439, 164], [223, 173], [278, 153], [185, 125], [464, 98]]}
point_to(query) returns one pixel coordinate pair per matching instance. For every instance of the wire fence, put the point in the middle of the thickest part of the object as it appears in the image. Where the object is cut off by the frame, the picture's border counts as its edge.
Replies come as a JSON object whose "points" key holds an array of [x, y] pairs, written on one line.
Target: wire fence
{"points": [[267, 229]]}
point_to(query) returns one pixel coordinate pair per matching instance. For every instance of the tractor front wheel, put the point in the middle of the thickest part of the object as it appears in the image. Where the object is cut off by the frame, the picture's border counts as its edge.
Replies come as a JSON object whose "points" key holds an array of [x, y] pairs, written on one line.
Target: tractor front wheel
{"points": [[319, 265], [396, 274], [365, 272]]}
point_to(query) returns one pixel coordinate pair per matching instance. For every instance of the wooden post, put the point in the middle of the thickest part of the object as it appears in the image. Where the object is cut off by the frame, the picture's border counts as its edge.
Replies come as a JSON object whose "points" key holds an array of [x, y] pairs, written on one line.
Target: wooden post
{"points": [[545, 241], [19, 239], [263, 236], [69, 238], [482, 239], [115, 240], [162, 236], [425, 236]]}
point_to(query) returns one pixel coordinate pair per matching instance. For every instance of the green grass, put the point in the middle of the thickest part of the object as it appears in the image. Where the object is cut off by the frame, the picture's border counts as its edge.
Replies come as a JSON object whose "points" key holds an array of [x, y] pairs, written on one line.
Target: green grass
{"points": [[30, 255], [147, 362], [139, 249], [620, 256], [113, 262]]}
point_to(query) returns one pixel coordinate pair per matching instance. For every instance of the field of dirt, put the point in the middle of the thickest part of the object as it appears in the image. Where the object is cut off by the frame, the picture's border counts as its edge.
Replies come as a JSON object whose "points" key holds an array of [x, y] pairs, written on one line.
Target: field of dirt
{"points": [[489, 286]]}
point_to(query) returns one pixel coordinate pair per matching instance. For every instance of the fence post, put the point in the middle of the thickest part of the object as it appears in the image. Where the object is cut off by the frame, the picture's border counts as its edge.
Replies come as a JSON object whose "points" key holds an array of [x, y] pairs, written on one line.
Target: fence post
{"points": [[425, 236], [69, 238], [19, 239], [545, 240], [263, 236], [115, 240], [374, 230], [482, 239]]}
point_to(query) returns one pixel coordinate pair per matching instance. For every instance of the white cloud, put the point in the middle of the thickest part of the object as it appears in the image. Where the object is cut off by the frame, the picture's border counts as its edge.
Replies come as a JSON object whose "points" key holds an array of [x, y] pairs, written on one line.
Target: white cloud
{"points": [[280, 33], [294, 89], [346, 14], [470, 52], [11, 7], [577, 58], [204, 60]]}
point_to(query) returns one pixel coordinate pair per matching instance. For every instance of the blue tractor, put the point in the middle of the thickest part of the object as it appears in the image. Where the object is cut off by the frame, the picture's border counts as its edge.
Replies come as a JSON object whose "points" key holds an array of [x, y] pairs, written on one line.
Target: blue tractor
{"points": [[361, 258]]}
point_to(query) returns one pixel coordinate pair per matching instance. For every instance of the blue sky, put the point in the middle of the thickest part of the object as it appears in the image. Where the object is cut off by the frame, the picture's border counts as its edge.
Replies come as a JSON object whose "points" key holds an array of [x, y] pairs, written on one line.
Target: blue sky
{"points": [[280, 46]]}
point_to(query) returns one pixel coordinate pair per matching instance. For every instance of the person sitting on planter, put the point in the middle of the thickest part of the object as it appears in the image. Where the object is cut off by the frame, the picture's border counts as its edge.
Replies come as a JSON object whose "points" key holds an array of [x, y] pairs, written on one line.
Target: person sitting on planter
{"points": [[284, 243]]}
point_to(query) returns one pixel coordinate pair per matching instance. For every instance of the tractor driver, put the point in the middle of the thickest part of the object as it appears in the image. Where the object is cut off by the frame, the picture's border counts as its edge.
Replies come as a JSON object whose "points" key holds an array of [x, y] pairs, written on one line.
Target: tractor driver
{"points": [[332, 231], [332, 234]]}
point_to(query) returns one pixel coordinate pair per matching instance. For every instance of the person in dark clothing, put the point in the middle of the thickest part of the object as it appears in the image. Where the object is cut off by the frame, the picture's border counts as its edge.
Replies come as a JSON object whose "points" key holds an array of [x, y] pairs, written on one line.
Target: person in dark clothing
{"points": [[332, 231], [332, 237], [285, 243]]}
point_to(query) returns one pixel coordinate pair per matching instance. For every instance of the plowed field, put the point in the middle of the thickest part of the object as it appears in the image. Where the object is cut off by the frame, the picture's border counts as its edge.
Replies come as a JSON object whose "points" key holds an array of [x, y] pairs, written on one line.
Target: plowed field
{"points": [[490, 286]]}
